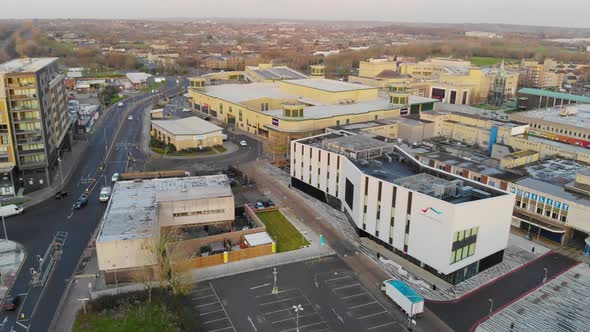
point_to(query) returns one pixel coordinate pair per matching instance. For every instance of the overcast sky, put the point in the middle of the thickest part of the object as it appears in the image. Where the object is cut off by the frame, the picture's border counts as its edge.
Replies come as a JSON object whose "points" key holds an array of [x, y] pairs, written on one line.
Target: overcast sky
{"points": [[569, 13]]}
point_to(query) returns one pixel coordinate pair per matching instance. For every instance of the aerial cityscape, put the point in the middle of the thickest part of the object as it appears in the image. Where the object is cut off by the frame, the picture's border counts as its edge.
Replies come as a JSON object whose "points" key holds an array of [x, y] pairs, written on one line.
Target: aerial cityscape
{"points": [[294, 166]]}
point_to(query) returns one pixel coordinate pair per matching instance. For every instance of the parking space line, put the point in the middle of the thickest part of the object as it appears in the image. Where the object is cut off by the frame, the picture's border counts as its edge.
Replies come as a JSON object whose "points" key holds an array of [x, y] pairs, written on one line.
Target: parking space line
{"points": [[378, 326], [202, 297], [277, 301], [371, 315], [339, 278], [209, 312], [204, 305], [215, 320], [347, 286], [303, 326], [225, 328], [349, 296], [260, 286], [222, 307], [274, 312], [200, 290], [292, 318], [361, 305]]}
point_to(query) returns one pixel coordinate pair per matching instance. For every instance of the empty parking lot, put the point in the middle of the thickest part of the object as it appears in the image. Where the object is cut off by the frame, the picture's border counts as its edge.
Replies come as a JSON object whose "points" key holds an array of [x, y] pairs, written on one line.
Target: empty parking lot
{"points": [[329, 295]]}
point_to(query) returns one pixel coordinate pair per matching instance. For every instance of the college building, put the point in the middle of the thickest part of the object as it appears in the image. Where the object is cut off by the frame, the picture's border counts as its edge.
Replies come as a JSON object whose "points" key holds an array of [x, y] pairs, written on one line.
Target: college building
{"points": [[34, 123], [451, 226], [295, 108]]}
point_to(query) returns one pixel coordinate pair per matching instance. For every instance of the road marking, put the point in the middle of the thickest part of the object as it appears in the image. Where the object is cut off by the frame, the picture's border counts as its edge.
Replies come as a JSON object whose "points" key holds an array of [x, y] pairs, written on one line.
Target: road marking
{"points": [[213, 289], [349, 296], [287, 299], [274, 312], [283, 291], [224, 328], [301, 327], [361, 305], [215, 320], [210, 312], [334, 279], [347, 286], [260, 286], [71, 214], [338, 316], [293, 318], [378, 326], [204, 305], [371, 315], [22, 325], [252, 323], [202, 297]]}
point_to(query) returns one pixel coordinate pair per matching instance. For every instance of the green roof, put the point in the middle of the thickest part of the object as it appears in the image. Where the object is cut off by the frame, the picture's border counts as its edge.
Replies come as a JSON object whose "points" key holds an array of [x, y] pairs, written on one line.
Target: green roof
{"points": [[557, 95]]}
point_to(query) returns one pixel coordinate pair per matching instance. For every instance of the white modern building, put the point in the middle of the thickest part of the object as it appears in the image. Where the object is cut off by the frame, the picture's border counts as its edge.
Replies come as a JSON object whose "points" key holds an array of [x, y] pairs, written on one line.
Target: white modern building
{"points": [[450, 226]]}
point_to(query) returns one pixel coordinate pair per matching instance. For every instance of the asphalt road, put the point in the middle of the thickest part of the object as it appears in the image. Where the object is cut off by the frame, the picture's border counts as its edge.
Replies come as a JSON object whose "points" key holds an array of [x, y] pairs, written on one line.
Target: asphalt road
{"points": [[463, 314], [35, 229]]}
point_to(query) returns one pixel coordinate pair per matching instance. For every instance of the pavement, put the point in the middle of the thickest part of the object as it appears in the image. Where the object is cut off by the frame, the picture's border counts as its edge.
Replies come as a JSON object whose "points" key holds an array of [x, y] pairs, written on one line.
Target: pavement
{"points": [[12, 256], [35, 230]]}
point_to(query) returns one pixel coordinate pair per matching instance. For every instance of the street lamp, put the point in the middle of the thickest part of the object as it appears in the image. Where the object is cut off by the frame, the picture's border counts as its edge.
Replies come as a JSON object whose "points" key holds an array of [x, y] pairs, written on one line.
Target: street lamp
{"points": [[275, 289], [545, 277], [297, 308], [491, 307]]}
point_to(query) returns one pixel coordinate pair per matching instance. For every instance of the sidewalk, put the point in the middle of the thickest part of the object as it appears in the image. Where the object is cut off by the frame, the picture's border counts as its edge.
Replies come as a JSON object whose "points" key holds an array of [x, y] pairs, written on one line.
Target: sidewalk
{"points": [[70, 162], [12, 256]]}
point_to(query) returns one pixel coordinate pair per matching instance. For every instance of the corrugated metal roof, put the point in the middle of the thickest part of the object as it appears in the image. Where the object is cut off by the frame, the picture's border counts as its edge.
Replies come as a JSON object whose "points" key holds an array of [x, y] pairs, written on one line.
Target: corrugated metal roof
{"points": [[552, 94]]}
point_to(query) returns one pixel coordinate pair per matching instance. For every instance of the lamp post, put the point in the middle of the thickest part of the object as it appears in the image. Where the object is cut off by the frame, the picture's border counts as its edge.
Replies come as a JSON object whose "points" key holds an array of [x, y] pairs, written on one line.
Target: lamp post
{"points": [[59, 160], [297, 309], [275, 289], [491, 307]]}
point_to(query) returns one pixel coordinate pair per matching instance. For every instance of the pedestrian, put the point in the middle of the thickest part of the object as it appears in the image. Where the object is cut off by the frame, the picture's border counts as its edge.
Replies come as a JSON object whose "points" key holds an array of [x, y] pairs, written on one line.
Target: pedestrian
{"points": [[533, 249]]}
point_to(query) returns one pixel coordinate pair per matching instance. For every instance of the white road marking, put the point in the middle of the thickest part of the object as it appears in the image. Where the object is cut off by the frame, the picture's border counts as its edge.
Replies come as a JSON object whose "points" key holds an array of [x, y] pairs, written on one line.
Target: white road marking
{"points": [[260, 286], [283, 300], [209, 312], [349, 296], [378, 326], [371, 315], [224, 328], [204, 305], [213, 289], [361, 305], [347, 286], [293, 318], [339, 278], [252, 323], [215, 320], [303, 326], [202, 297]]}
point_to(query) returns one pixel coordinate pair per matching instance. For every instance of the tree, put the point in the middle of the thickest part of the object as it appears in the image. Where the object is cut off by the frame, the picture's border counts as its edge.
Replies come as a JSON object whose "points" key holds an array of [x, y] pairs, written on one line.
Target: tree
{"points": [[107, 94]]}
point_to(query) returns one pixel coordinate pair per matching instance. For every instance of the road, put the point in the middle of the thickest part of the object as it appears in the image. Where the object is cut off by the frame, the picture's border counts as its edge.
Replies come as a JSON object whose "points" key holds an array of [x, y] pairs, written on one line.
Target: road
{"points": [[36, 228]]}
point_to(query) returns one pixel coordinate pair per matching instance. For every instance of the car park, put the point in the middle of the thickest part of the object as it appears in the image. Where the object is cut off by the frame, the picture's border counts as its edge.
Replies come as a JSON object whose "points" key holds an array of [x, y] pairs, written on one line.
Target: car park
{"points": [[61, 194]]}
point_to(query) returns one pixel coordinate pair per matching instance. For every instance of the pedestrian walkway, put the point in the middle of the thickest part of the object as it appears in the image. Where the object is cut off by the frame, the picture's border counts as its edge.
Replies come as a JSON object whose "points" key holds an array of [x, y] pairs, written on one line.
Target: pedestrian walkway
{"points": [[561, 305], [12, 255]]}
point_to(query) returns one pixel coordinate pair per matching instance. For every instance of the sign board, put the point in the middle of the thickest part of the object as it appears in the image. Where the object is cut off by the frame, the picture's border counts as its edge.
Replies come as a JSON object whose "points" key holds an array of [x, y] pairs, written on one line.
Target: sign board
{"points": [[275, 121]]}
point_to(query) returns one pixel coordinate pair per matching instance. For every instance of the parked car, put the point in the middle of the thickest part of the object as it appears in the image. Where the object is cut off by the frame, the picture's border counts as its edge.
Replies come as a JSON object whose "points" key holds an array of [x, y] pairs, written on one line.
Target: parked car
{"points": [[61, 194], [105, 194], [223, 137], [120, 104], [11, 302], [115, 177], [259, 205], [269, 202], [10, 210], [243, 143], [186, 109], [81, 202], [130, 117]]}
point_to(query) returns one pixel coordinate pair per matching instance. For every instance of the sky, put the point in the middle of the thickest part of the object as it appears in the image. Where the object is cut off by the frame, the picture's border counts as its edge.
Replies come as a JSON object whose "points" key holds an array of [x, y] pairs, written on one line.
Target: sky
{"points": [[566, 13]]}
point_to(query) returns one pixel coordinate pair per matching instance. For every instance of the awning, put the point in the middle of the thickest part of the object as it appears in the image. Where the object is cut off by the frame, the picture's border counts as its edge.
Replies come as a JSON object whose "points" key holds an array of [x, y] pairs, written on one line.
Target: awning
{"points": [[538, 223]]}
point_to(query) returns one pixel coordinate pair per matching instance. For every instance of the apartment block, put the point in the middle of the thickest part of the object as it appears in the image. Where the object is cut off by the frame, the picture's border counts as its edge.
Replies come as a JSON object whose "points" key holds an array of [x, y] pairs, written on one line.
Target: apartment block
{"points": [[34, 121]]}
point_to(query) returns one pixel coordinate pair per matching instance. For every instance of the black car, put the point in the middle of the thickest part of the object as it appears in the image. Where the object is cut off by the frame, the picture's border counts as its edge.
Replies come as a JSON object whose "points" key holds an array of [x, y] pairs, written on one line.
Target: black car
{"points": [[11, 302], [61, 194], [81, 202]]}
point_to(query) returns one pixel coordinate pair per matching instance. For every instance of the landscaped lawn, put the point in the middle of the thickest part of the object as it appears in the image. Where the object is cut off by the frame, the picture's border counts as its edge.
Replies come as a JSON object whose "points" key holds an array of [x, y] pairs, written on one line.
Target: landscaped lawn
{"points": [[287, 236], [484, 61], [140, 317]]}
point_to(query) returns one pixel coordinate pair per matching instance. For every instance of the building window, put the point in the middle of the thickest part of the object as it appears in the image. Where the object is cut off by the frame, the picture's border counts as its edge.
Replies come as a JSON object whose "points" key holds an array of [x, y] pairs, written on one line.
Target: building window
{"points": [[463, 244]]}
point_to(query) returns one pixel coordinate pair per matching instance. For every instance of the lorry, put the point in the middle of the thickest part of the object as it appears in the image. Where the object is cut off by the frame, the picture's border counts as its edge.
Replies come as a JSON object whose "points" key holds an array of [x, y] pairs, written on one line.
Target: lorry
{"points": [[10, 210], [404, 296]]}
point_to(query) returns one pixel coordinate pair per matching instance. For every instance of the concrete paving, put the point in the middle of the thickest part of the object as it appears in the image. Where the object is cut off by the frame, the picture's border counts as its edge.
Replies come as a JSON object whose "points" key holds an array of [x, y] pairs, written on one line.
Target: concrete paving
{"points": [[12, 256]]}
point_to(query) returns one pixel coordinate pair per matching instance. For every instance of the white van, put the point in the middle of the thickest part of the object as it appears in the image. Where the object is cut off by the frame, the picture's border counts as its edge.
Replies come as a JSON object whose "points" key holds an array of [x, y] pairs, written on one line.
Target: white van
{"points": [[10, 210], [105, 194]]}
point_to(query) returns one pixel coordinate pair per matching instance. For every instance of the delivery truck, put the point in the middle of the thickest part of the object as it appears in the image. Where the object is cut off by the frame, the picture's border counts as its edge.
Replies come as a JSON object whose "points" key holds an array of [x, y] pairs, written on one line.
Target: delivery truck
{"points": [[404, 296]]}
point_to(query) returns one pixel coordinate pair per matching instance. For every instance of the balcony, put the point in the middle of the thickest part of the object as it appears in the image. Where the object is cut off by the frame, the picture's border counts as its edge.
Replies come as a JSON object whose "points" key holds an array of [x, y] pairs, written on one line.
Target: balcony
{"points": [[23, 97], [30, 152], [32, 164]]}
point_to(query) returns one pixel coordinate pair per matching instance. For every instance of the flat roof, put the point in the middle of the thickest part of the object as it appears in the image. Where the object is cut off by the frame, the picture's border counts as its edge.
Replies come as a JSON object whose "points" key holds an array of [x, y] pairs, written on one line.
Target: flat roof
{"points": [[578, 115], [258, 239], [187, 126], [553, 94], [25, 65], [237, 93], [131, 211], [329, 85], [474, 164], [278, 73], [558, 144]]}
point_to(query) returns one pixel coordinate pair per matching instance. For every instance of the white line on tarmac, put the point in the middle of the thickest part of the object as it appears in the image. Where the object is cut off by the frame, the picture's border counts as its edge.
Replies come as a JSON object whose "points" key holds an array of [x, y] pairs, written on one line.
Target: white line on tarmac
{"points": [[349, 296], [292, 318], [361, 305], [339, 278], [277, 301], [283, 291], [252, 323], [215, 320], [301, 327], [224, 328], [204, 305], [202, 297], [209, 312], [347, 286], [260, 286], [378, 326], [371, 315]]}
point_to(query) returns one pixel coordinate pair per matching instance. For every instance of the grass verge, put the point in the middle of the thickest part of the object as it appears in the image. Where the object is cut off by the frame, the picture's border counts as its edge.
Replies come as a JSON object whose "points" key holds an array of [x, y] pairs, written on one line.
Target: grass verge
{"points": [[287, 236]]}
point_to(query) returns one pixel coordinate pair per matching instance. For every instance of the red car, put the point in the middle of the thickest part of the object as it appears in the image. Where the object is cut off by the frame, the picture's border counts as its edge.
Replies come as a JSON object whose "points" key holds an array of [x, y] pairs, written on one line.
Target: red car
{"points": [[11, 302]]}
